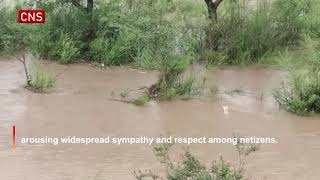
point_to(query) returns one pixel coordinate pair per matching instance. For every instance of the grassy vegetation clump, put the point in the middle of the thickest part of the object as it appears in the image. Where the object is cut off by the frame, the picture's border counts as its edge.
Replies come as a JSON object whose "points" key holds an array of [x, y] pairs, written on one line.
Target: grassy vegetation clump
{"points": [[171, 83], [37, 78], [40, 80], [302, 96]]}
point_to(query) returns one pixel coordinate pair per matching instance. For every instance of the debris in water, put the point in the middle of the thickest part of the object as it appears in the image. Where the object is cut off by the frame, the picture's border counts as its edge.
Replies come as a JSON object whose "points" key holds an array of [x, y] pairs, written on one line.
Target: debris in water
{"points": [[225, 109]]}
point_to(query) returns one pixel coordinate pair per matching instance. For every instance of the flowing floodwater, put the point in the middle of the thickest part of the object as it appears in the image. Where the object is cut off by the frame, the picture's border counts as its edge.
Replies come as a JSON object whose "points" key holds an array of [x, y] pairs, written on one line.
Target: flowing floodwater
{"points": [[81, 106]]}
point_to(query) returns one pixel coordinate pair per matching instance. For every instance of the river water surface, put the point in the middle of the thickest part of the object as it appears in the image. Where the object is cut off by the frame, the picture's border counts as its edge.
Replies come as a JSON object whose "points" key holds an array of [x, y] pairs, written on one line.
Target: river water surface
{"points": [[81, 106]]}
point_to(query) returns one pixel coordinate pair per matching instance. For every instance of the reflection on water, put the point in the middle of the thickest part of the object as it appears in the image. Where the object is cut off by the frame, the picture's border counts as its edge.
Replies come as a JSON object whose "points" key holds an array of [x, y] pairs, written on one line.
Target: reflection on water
{"points": [[80, 107]]}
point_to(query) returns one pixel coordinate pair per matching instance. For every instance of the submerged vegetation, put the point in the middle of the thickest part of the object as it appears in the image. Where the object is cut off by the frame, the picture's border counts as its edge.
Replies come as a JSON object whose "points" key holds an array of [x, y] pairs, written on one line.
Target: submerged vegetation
{"points": [[41, 80], [141, 100], [37, 79], [172, 83]]}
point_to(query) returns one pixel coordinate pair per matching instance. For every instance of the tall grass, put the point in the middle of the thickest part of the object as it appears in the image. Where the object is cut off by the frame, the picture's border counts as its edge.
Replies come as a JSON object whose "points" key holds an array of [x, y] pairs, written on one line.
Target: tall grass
{"points": [[312, 21], [246, 35], [41, 80]]}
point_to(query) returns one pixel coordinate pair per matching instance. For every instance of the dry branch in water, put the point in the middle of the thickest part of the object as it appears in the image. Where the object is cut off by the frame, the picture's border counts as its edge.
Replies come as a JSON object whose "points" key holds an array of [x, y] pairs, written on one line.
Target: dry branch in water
{"points": [[23, 60]]}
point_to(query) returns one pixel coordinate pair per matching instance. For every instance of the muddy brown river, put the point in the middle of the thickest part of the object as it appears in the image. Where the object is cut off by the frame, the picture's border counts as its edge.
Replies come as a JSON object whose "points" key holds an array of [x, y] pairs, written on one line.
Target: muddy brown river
{"points": [[81, 106]]}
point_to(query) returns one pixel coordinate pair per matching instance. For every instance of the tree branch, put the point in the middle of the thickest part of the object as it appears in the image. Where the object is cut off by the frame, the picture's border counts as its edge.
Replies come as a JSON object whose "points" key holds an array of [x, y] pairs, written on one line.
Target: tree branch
{"points": [[212, 8], [23, 60], [209, 2], [217, 3], [78, 5]]}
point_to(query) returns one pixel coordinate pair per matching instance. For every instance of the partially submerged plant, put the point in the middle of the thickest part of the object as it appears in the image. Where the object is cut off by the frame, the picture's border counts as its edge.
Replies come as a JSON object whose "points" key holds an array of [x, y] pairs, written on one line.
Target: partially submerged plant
{"points": [[171, 83], [302, 96], [37, 79], [141, 100], [41, 80]]}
